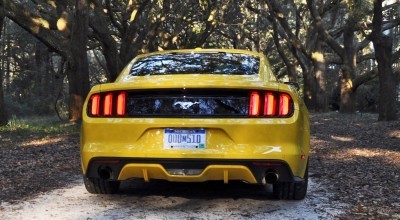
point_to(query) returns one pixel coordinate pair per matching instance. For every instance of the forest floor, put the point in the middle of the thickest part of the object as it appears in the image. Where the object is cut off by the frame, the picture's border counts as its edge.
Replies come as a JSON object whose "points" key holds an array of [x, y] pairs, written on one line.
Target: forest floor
{"points": [[354, 159], [358, 159]]}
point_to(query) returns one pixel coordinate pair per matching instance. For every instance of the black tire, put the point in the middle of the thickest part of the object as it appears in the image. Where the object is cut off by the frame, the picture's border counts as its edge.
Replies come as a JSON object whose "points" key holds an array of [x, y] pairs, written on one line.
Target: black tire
{"points": [[99, 186], [292, 190]]}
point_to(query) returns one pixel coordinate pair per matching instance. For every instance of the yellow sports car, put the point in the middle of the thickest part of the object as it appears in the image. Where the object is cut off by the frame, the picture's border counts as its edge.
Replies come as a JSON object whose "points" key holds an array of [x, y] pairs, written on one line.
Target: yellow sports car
{"points": [[196, 115]]}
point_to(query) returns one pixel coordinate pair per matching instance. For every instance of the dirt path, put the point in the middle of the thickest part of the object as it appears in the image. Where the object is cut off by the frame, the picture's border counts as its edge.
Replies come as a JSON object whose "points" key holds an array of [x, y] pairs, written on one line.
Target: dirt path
{"points": [[163, 200], [354, 168]]}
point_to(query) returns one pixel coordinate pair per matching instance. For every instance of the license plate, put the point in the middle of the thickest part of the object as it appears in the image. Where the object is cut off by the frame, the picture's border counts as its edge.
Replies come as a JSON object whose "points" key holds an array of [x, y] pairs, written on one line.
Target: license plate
{"points": [[184, 138]]}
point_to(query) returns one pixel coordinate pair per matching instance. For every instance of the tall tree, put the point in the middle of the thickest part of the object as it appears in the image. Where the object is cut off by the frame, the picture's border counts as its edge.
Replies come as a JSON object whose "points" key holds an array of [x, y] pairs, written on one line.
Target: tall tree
{"points": [[348, 44], [347, 54], [3, 115], [78, 69], [305, 48], [383, 45], [121, 29]]}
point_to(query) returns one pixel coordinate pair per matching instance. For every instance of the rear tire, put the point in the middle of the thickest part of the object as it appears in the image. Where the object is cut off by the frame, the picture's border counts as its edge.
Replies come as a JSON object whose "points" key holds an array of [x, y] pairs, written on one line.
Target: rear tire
{"points": [[99, 186], [291, 190]]}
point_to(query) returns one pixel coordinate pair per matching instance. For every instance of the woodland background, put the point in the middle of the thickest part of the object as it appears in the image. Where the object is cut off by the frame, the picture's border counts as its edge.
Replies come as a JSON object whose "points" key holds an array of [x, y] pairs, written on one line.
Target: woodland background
{"points": [[345, 54]]}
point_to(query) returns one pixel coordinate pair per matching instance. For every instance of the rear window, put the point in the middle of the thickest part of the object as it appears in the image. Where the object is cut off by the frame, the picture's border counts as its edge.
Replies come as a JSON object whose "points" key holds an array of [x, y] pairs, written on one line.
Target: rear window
{"points": [[197, 63]]}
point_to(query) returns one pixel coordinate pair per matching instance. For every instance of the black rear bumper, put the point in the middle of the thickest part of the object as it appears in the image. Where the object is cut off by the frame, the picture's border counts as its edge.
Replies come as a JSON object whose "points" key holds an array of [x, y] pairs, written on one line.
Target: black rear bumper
{"points": [[258, 167]]}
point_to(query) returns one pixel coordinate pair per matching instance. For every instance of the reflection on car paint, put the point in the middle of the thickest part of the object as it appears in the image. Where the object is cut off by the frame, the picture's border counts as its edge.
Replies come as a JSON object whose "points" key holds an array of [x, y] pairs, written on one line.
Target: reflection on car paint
{"points": [[201, 63]]}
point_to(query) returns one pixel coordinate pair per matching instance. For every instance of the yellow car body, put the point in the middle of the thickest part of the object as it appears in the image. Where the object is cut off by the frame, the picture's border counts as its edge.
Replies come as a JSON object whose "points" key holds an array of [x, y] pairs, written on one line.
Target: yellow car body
{"points": [[247, 148]]}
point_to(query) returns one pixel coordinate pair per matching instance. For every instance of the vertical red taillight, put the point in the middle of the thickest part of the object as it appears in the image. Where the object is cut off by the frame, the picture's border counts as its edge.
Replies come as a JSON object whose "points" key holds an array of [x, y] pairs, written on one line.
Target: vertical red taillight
{"points": [[269, 104], [121, 100], [284, 104], [108, 104], [254, 104], [95, 105]]}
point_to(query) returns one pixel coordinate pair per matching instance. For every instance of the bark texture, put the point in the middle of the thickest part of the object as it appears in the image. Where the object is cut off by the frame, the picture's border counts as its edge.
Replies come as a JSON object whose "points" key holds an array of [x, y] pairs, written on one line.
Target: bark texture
{"points": [[302, 51], [78, 72], [3, 115], [383, 53], [348, 56]]}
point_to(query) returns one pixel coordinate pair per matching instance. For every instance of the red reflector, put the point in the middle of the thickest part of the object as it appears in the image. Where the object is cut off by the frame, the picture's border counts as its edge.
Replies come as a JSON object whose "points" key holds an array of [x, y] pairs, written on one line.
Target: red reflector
{"points": [[121, 99], [108, 100], [107, 161], [284, 104], [269, 104], [95, 105], [267, 164], [254, 104]]}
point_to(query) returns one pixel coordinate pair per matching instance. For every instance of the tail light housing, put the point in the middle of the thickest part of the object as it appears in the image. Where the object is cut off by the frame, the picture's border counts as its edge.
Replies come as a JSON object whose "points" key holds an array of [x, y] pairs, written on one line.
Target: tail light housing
{"points": [[110, 104], [270, 104], [261, 104]]}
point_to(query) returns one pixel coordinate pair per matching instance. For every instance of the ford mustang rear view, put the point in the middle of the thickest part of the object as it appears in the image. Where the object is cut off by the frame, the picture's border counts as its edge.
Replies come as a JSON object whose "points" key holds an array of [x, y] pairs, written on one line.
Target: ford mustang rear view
{"points": [[193, 116]]}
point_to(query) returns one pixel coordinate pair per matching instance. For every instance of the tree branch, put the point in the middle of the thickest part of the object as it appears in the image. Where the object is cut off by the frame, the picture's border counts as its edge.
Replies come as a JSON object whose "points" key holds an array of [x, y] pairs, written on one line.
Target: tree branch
{"points": [[396, 56], [361, 79], [37, 26], [324, 33], [112, 16]]}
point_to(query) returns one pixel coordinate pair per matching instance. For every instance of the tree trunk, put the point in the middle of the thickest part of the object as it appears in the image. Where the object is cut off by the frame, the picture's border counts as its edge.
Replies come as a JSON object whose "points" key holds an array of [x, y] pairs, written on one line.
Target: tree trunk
{"points": [[387, 80], [383, 54], [321, 100], [310, 90], [42, 81], [3, 115], [347, 95], [348, 92], [78, 68], [99, 25], [290, 67], [7, 64]]}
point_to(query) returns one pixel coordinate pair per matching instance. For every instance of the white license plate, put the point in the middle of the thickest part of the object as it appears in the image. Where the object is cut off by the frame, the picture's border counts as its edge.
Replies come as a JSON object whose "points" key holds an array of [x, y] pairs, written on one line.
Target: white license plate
{"points": [[184, 138]]}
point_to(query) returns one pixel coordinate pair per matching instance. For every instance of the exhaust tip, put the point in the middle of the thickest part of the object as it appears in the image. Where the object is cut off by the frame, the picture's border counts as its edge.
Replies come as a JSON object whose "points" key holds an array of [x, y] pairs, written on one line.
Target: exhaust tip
{"points": [[271, 177], [105, 173]]}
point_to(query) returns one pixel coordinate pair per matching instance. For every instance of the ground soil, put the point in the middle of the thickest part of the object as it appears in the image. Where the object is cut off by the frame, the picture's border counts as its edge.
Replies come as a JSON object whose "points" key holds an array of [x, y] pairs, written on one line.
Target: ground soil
{"points": [[358, 159], [32, 162], [354, 158]]}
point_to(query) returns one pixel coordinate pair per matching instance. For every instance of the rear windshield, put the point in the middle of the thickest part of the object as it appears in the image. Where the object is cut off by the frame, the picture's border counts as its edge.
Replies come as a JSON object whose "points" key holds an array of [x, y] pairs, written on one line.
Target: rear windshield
{"points": [[197, 63]]}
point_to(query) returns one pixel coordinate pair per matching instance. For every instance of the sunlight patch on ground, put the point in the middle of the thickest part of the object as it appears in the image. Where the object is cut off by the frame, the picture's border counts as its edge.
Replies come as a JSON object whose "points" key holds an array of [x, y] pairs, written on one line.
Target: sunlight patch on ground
{"points": [[395, 134], [389, 156], [42, 141], [343, 139]]}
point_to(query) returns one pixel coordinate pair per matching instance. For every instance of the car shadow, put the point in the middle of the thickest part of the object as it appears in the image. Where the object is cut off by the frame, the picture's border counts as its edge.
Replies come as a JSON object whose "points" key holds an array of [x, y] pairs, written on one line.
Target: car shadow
{"points": [[204, 190]]}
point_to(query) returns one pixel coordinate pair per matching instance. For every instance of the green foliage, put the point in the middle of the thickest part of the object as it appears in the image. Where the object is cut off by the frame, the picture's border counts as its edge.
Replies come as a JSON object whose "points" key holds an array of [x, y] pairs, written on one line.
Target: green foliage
{"points": [[44, 125], [360, 11], [34, 74], [31, 83]]}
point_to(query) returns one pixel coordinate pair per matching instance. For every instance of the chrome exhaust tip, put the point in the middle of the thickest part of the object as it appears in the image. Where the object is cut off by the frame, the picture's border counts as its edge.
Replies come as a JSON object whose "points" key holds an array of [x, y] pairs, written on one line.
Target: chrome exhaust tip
{"points": [[105, 173], [271, 177]]}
